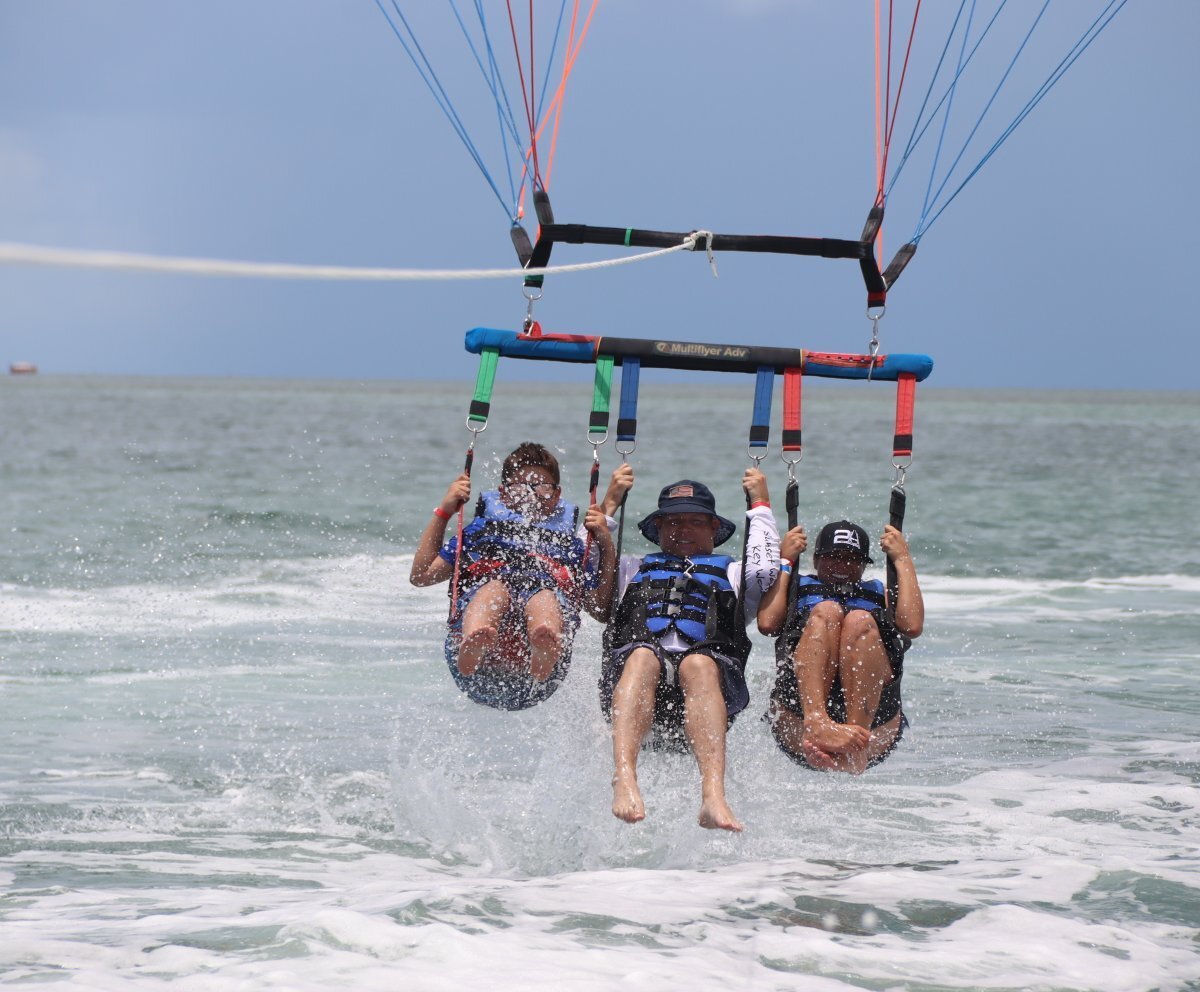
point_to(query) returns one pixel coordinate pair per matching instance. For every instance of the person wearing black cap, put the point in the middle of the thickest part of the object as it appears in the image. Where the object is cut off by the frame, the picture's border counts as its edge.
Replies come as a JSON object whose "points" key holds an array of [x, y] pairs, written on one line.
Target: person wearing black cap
{"points": [[840, 649], [677, 644]]}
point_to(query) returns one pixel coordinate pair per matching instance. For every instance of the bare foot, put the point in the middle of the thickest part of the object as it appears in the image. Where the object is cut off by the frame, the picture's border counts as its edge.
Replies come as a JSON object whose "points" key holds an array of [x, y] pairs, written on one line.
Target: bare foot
{"points": [[854, 762], [545, 648], [821, 760], [835, 738], [474, 647], [715, 814], [627, 802]]}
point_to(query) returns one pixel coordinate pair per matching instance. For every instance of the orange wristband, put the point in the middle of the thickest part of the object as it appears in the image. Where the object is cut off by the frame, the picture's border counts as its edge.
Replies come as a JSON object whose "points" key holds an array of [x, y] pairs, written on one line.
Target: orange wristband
{"points": [[760, 502]]}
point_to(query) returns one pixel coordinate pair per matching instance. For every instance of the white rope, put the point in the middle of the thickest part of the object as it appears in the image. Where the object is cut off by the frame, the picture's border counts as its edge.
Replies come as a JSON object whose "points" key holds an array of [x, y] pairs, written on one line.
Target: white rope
{"points": [[21, 254]]}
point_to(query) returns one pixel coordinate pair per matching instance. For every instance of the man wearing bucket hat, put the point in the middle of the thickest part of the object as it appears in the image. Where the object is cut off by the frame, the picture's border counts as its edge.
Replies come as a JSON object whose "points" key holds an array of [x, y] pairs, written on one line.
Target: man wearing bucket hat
{"points": [[674, 669], [840, 651]]}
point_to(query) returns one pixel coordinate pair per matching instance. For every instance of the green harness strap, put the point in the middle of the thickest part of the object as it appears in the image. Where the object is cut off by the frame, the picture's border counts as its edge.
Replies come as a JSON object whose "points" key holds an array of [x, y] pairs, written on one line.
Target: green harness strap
{"points": [[601, 395], [481, 403]]}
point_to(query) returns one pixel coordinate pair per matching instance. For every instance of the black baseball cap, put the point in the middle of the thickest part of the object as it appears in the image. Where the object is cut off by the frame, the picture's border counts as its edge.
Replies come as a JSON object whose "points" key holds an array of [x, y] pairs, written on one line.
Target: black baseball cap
{"points": [[843, 538]]}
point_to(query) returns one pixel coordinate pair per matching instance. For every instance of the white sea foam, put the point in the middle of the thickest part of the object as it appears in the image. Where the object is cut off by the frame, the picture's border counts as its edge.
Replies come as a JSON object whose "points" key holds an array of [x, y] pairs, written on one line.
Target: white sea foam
{"points": [[360, 589], [368, 919], [369, 589]]}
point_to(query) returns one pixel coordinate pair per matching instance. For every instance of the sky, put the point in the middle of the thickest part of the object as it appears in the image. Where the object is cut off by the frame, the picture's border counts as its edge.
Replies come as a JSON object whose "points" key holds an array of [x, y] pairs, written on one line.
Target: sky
{"points": [[298, 131]]}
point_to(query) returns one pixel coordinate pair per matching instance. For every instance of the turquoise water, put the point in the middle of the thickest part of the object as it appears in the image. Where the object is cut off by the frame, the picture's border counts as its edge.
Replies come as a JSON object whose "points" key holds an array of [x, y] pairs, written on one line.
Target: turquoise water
{"points": [[231, 756]]}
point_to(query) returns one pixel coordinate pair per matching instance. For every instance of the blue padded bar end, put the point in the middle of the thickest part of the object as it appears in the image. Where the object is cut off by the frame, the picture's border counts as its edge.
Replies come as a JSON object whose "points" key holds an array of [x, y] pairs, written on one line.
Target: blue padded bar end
{"points": [[510, 345]]}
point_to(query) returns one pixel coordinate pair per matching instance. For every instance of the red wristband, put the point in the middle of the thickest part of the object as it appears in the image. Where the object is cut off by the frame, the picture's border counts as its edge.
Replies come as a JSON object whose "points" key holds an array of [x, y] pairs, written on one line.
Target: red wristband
{"points": [[760, 502], [442, 514]]}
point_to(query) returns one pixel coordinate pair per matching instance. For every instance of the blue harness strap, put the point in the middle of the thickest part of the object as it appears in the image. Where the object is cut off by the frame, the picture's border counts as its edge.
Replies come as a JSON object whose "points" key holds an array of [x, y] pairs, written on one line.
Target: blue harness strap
{"points": [[631, 370], [760, 423]]}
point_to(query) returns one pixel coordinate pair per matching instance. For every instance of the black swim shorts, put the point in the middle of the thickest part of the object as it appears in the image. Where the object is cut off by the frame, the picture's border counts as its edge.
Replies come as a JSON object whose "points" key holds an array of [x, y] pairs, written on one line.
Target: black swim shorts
{"points": [[667, 727]]}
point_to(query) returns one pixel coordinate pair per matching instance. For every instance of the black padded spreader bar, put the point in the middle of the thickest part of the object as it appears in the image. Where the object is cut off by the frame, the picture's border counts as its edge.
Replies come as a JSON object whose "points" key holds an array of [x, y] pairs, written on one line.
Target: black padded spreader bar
{"points": [[550, 234]]}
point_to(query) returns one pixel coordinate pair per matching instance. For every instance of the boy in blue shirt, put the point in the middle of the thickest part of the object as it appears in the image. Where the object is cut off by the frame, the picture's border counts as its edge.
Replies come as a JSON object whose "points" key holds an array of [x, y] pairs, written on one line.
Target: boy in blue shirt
{"points": [[522, 580]]}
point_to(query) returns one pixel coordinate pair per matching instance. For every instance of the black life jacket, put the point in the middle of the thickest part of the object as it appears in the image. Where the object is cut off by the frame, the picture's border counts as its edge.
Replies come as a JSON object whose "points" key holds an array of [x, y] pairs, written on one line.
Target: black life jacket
{"points": [[692, 596]]}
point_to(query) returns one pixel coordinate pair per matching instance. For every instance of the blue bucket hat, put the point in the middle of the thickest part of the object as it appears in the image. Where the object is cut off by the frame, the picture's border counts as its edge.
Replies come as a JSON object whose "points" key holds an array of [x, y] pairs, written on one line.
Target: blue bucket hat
{"points": [[686, 496]]}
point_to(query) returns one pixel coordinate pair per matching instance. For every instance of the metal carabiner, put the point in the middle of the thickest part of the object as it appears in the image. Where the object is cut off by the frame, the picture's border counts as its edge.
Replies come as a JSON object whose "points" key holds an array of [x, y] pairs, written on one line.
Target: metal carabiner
{"points": [[791, 464], [530, 299], [873, 347]]}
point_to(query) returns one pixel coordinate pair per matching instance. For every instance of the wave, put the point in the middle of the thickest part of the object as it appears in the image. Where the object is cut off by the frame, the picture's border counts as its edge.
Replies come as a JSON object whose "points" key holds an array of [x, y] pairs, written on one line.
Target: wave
{"points": [[361, 589], [374, 591]]}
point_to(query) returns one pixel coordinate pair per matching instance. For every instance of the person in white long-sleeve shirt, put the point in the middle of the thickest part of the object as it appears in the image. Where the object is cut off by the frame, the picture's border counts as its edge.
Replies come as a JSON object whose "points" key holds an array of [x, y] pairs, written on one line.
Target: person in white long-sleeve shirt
{"points": [[676, 647]]}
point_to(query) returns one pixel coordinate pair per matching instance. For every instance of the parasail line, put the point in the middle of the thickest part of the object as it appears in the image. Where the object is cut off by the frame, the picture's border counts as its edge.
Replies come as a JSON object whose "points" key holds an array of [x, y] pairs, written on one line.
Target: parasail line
{"points": [[429, 77], [12, 253], [1082, 45]]}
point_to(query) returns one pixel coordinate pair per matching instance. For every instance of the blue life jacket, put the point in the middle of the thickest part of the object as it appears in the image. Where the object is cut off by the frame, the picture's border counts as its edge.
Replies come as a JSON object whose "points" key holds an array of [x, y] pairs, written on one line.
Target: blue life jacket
{"points": [[692, 596], [808, 591], [502, 543]]}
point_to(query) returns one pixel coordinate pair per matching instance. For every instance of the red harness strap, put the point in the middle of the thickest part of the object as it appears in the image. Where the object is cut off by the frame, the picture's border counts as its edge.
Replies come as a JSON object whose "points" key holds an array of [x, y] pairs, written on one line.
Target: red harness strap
{"points": [[906, 394]]}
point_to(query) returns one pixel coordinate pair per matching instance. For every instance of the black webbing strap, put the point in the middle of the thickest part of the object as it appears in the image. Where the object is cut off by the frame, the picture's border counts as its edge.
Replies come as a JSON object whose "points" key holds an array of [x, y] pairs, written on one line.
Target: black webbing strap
{"points": [[741, 600], [468, 463], [793, 437], [899, 260], [539, 255], [550, 234], [598, 429], [896, 519], [902, 445], [630, 237], [615, 598], [626, 442], [522, 244]]}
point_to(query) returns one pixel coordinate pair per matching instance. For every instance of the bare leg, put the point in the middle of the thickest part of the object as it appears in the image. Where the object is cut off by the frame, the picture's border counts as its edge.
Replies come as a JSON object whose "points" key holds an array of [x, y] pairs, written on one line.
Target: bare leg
{"points": [[480, 620], [544, 621], [705, 719], [864, 669], [816, 659], [632, 714]]}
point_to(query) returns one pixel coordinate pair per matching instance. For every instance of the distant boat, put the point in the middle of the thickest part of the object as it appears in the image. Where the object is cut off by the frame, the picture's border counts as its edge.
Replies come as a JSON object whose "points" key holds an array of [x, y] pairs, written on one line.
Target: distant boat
{"points": [[22, 368]]}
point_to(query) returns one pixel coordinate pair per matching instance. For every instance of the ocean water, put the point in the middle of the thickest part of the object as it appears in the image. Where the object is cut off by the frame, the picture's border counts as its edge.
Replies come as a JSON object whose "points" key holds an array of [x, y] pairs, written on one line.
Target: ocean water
{"points": [[231, 757]]}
